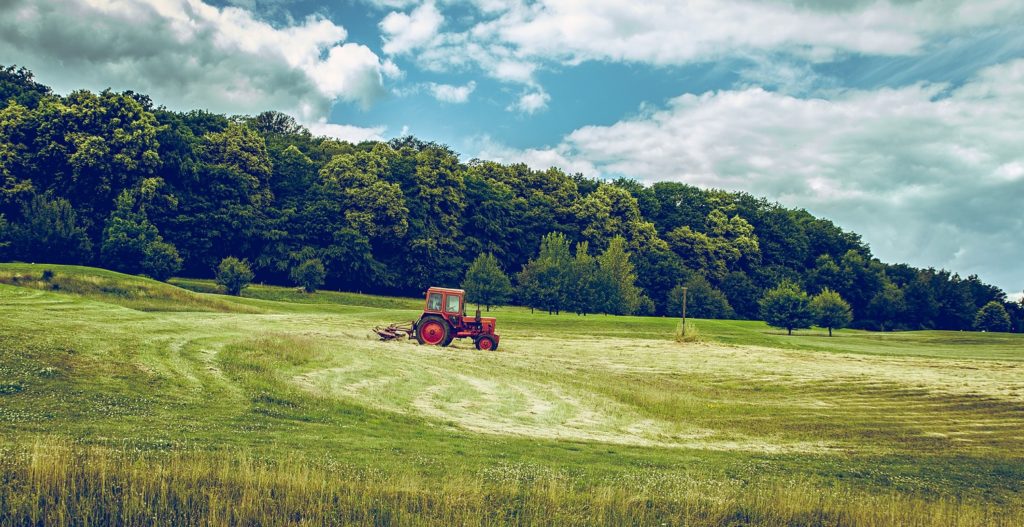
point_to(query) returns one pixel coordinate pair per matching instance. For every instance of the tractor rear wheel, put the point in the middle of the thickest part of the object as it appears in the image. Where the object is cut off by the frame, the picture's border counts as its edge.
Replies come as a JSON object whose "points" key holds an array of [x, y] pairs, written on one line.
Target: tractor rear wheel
{"points": [[486, 343], [432, 331]]}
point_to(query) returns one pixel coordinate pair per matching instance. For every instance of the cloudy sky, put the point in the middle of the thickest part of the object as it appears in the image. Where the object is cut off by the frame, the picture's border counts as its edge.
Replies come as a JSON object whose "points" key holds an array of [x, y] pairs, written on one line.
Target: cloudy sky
{"points": [[901, 120]]}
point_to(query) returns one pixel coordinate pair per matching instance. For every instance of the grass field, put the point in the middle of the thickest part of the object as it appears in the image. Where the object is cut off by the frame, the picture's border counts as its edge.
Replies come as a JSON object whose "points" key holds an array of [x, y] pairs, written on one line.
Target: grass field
{"points": [[126, 401]]}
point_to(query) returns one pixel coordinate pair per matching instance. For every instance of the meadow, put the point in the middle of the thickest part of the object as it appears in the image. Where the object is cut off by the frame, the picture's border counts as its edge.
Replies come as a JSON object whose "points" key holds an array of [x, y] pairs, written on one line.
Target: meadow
{"points": [[125, 401]]}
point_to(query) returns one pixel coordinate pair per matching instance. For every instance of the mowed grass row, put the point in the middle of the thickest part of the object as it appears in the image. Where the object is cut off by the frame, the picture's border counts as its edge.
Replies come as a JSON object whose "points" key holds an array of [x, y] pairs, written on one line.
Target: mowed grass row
{"points": [[812, 433]]}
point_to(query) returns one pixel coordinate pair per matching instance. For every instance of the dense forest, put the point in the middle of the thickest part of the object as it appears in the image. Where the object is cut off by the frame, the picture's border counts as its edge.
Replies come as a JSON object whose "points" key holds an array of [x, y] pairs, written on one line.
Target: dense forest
{"points": [[110, 179]]}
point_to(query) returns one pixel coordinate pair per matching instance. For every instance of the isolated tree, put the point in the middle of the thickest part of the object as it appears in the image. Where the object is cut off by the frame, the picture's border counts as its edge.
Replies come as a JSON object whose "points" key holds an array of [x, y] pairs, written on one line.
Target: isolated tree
{"points": [[830, 310], [309, 274], [787, 307], [992, 317], [234, 274], [486, 283]]}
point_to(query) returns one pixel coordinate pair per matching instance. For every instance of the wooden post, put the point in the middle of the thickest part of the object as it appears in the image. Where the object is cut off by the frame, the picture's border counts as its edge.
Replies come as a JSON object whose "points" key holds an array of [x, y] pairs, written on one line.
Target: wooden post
{"points": [[684, 311]]}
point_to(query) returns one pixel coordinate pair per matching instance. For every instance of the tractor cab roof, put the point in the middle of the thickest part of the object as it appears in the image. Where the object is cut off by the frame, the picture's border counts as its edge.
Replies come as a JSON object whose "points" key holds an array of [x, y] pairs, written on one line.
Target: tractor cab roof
{"points": [[446, 290]]}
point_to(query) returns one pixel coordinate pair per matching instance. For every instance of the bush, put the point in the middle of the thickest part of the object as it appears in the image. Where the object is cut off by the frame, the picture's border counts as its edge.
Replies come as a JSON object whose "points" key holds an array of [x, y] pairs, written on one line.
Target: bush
{"points": [[233, 275], [161, 261], [47, 275], [309, 274]]}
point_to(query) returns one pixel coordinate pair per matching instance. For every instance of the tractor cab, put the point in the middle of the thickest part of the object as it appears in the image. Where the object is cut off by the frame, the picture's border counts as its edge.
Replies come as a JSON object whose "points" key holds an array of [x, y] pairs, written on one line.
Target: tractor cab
{"points": [[444, 319]]}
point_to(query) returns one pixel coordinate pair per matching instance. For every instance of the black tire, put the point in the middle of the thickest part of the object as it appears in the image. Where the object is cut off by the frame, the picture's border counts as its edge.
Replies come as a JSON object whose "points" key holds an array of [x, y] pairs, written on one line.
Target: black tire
{"points": [[491, 344], [432, 337]]}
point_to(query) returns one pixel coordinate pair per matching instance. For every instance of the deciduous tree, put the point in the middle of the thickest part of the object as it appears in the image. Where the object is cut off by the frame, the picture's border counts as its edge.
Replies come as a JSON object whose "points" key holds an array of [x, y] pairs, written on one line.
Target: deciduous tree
{"points": [[992, 317], [830, 310], [787, 307], [486, 283]]}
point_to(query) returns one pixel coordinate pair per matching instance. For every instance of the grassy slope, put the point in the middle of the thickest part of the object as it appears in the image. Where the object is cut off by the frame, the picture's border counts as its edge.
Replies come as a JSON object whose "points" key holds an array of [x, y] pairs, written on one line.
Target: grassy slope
{"points": [[131, 364]]}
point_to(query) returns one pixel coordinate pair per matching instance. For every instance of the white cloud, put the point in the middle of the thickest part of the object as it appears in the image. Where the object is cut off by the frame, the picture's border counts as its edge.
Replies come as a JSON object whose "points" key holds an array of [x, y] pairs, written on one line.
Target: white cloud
{"points": [[352, 134], [531, 102], [673, 32], [536, 158], [186, 53], [450, 93], [514, 39], [404, 33], [928, 174]]}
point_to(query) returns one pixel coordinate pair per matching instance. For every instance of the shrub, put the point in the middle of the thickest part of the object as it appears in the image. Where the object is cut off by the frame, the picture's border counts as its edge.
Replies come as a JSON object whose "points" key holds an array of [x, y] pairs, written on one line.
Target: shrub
{"points": [[161, 260], [47, 275], [309, 274], [233, 275]]}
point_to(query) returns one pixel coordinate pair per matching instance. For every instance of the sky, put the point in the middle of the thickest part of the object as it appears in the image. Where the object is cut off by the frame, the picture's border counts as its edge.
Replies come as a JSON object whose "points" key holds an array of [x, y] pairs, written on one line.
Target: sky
{"points": [[900, 120]]}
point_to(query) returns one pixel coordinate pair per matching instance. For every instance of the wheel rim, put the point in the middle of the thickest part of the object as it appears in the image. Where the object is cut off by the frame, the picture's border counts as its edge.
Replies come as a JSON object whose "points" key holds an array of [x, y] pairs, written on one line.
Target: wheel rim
{"points": [[432, 333], [486, 344]]}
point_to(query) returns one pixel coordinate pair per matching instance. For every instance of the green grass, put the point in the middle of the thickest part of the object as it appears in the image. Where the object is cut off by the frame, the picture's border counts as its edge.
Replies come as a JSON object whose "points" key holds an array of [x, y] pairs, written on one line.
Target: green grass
{"points": [[200, 403]]}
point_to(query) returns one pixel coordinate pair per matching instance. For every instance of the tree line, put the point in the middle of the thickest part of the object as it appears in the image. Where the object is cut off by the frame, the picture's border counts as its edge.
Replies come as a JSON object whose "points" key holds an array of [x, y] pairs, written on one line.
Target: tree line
{"points": [[111, 179]]}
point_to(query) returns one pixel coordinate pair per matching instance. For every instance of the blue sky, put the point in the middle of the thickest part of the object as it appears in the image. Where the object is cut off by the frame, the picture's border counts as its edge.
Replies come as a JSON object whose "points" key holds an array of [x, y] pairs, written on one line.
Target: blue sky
{"points": [[901, 120]]}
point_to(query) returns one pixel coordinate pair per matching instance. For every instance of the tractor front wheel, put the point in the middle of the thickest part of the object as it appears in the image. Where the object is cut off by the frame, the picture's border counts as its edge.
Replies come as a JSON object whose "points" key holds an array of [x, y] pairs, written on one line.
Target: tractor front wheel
{"points": [[486, 343], [432, 331]]}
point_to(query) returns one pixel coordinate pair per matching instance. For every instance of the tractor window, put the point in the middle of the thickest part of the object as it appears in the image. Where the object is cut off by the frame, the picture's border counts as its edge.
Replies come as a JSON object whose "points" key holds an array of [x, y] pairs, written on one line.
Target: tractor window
{"points": [[434, 302], [452, 305]]}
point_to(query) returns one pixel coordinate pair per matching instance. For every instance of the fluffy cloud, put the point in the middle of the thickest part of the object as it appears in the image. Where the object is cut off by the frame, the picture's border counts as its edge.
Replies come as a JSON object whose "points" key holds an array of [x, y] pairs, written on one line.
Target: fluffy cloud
{"points": [[405, 32], [929, 174], [450, 93], [188, 54], [531, 102], [352, 134]]}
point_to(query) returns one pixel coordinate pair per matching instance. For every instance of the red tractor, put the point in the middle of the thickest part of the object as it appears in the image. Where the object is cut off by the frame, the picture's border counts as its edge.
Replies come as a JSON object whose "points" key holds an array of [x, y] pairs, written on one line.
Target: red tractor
{"points": [[443, 320]]}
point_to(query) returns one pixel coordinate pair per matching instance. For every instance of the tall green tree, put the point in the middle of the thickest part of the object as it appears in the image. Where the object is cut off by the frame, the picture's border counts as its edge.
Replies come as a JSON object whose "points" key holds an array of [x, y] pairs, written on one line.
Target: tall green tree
{"points": [[830, 310], [616, 280], [583, 294], [787, 307], [992, 317], [548, 278], [486, 283]]}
